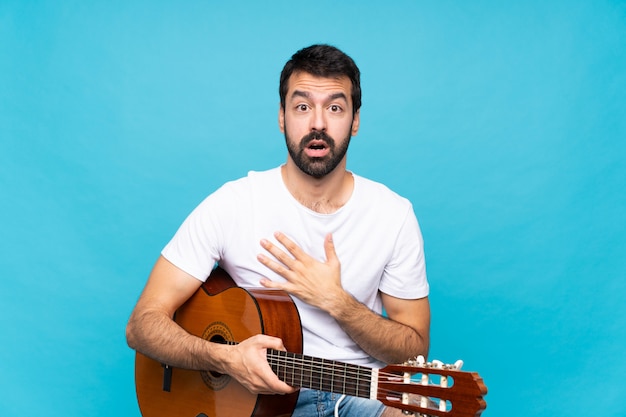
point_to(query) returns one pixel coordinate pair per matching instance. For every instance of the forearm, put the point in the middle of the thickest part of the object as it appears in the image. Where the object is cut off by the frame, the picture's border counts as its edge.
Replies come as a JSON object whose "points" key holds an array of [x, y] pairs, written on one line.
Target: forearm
{"points": [[157, 336], [154, 334], [384, 339]]}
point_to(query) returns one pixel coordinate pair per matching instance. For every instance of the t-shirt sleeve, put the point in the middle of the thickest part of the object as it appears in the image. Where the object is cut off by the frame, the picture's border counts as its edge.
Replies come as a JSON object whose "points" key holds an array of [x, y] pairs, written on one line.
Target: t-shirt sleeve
{"points": [[195, 248], [405, 273]]}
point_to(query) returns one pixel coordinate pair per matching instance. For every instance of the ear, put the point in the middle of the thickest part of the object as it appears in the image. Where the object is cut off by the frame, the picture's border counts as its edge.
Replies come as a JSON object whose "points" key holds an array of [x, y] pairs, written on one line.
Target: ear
{"points": [[281, 118], [356, 121]]}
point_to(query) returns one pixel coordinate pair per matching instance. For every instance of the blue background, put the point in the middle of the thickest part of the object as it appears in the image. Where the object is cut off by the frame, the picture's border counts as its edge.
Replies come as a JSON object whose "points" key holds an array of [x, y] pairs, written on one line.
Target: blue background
{"points": [[503, 122]]}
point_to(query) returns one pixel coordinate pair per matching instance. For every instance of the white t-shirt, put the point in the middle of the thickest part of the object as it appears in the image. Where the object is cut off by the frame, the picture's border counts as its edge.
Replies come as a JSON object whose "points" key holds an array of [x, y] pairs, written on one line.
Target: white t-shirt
{"points": [[376, 236]]}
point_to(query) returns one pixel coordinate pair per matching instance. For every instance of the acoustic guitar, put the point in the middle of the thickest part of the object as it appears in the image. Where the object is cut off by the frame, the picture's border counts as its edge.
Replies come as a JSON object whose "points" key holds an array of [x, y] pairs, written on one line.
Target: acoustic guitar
{"points": [[224, 313]]}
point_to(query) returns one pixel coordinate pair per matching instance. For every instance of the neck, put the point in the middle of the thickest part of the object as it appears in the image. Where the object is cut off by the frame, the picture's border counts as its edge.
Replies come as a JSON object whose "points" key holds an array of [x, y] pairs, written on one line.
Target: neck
{"points": [[323, 195], [304, 371]]}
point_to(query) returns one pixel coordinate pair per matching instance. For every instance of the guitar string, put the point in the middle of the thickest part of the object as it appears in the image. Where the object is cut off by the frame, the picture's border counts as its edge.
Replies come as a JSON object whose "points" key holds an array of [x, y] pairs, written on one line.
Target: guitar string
{"points": [[416, 405], [278, 358], [328, 365], [325, 366]]}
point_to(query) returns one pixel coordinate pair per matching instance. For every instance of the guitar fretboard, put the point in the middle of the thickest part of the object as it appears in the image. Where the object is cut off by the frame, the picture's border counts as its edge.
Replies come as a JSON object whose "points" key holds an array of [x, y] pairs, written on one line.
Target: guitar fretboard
{"points": [[305, 371]]}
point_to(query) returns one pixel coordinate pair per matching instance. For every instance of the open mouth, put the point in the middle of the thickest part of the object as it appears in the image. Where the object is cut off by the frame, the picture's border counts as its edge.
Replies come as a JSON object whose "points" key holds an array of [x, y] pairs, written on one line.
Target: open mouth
{"points": [[317, 146], [317, 149]]}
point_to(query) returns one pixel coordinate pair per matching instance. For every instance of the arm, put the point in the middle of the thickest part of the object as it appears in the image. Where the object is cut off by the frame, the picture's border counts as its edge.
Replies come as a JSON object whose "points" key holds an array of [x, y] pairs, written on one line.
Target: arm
{"points": [[152, 331], [404, 335]]}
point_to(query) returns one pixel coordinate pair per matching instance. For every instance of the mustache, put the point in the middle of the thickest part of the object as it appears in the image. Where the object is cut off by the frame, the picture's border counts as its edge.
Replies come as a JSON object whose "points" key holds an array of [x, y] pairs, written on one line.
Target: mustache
{"points": [[316, 135]]}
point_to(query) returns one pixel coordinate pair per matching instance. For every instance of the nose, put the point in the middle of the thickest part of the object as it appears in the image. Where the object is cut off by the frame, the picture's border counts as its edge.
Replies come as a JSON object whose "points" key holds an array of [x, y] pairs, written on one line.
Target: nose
{"points": [[318, 120]]}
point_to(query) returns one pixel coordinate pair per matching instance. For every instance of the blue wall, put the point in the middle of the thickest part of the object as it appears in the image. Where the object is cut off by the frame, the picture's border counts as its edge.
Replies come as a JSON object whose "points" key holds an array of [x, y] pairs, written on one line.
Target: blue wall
{"points": [[504, 123]]}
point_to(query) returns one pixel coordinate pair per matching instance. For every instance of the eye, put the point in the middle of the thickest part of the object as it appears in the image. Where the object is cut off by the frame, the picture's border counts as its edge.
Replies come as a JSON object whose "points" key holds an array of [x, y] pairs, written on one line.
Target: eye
{"points": [[302, 107], [334, 108]]}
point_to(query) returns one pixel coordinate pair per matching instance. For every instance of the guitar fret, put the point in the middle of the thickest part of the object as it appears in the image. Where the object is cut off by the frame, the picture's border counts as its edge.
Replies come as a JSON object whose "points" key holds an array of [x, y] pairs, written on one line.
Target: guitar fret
{"points": [[345, 375], [322, 374], [310, 379], [331, 377]]}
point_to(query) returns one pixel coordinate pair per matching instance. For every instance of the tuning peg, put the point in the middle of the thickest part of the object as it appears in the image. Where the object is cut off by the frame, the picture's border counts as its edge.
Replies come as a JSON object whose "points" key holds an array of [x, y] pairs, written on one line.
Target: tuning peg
{"points": [[456, 366]]}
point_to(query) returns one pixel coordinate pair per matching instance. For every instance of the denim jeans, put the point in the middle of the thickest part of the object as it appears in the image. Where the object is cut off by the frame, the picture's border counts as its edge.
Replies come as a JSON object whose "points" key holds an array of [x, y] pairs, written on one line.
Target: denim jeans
{"points": [[313, 403]]}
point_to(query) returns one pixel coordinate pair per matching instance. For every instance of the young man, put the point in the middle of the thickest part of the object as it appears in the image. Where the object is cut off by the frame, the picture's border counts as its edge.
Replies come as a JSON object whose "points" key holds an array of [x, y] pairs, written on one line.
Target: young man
{"points": [[344, 247]]}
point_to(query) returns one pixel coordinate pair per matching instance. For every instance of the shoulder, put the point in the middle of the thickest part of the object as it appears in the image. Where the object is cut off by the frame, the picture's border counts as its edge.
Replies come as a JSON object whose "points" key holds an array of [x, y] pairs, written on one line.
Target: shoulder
{"points": [[268, 177], [376, 192], [245, 185]]}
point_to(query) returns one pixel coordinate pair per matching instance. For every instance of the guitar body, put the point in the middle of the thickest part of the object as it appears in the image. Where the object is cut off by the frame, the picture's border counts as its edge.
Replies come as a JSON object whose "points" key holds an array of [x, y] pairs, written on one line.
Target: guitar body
{"points": [[220, 312]]}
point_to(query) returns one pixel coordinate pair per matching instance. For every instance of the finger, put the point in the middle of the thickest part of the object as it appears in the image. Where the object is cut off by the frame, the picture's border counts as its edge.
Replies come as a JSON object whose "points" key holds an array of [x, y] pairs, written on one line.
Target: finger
{"points": [[271, 380], [278, 253], [329, 249], [276, 386], [277, 267], [283, 388], [269, 383], [290, 245], [268, 283], [267, 341]]}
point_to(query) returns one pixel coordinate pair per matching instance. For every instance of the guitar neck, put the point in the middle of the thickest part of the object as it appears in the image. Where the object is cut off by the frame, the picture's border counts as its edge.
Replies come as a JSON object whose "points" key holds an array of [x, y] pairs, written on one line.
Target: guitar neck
{"points": [[304, 371]]}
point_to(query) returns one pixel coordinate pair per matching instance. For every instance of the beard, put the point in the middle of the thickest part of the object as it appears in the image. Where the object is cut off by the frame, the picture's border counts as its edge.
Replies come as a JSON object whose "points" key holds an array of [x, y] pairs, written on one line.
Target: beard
{"points": [[317, 167]]}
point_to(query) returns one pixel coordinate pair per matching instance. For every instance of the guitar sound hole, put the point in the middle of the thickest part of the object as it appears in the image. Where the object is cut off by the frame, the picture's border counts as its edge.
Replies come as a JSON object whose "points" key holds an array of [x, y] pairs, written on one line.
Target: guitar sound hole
{"points": [[218, 338], [217, 332]]}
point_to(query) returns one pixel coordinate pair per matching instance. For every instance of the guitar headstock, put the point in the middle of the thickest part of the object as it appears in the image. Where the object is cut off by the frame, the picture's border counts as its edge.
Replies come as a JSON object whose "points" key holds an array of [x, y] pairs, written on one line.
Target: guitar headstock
{"points": [[423, 388]]}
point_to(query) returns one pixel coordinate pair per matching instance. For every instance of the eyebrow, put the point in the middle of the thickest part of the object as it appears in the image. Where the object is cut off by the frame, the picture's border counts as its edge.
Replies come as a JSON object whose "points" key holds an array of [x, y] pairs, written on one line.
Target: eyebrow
{"points": [[306, 94]]}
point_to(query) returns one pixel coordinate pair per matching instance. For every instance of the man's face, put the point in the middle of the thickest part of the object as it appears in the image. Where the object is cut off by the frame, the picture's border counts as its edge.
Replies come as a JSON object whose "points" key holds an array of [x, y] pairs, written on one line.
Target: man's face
{"points": [[318, 122]]}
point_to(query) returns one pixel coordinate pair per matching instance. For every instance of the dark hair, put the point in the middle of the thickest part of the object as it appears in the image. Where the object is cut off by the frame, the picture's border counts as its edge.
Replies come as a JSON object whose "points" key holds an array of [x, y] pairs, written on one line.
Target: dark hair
{"points": [[322, 61]]}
